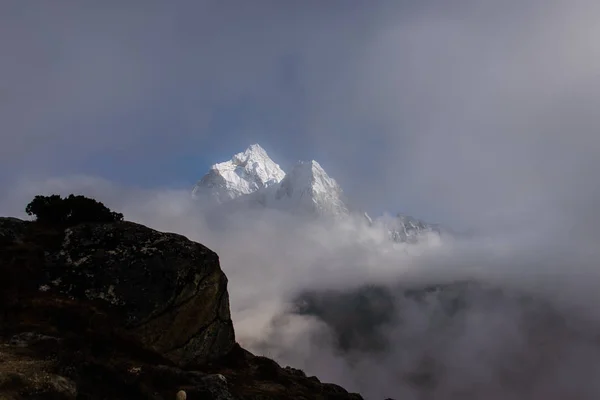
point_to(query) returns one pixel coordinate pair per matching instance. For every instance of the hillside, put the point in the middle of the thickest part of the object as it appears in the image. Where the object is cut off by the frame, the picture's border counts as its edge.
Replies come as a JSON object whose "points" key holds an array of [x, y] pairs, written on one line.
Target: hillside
{"points": [[121, 311]]}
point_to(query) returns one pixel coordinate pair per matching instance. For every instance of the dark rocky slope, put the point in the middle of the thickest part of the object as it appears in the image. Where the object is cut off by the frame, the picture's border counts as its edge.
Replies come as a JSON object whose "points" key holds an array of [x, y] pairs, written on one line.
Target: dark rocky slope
{"points": [[121, 311]]}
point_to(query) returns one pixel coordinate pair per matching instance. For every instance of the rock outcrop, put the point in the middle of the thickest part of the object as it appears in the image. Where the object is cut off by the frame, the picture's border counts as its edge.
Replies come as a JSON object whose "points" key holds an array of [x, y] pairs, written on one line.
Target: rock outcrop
{"points": [[121, 311], [168, 291]]}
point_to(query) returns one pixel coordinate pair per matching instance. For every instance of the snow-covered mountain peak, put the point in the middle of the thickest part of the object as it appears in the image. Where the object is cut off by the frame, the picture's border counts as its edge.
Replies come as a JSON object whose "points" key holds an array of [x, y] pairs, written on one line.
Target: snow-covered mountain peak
{"points": [[308, 187], [245, 173], [309, 174], [253, 154], [251, 180], [253, 164]]}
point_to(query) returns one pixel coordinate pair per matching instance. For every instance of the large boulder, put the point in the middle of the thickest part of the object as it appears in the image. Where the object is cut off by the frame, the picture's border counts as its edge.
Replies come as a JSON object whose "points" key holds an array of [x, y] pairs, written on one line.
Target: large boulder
{"points": [[166, 291]]}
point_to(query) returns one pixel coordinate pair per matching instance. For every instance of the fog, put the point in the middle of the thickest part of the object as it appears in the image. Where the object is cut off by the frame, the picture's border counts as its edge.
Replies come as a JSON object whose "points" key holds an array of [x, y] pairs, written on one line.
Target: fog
{"points": [[479, 115], [471, 113], [529, 331]]}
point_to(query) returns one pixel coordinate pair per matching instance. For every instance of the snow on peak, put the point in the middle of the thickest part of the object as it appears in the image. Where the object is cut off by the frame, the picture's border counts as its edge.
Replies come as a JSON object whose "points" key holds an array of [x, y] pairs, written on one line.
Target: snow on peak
{"points": [[405, 229], [308, 187], [254, 164], [245, 173], [307, 175], [252, 179]]}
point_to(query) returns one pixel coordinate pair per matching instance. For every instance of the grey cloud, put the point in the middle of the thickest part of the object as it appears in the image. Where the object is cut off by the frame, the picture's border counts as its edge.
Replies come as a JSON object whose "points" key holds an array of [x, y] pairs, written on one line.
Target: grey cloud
{"points": [[471, 113], [481, 113], [75, 74]]}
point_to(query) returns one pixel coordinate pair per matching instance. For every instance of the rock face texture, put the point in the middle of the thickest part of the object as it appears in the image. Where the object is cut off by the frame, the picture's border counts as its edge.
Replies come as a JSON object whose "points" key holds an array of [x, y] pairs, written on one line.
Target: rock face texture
{"points": [[172, 291], [169, 291], [121, 311]]}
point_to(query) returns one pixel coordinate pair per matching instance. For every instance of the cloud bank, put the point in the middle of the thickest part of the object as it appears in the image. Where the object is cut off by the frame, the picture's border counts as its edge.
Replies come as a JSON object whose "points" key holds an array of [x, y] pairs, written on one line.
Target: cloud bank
{"points": [[528, 331]]}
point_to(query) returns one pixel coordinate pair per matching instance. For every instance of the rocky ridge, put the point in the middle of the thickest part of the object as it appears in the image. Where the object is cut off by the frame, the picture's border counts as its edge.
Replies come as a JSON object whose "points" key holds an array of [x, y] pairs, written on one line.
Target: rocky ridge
{"points": [[406, 229]]}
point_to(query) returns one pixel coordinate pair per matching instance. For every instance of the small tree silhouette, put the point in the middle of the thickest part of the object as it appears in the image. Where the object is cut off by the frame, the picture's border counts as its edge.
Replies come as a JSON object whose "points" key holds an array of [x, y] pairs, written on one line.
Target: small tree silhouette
{"points": [[72, 210], [50, 210]]}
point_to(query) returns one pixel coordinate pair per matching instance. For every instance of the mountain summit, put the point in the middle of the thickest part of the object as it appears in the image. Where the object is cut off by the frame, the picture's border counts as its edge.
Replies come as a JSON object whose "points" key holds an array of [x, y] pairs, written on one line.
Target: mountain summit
{"points": [[253, 178], [308, 187], [246, 172]]}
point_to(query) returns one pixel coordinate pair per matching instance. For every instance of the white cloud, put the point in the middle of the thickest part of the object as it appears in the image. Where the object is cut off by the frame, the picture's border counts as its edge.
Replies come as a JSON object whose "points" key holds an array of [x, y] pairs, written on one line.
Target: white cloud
{"points": [[270, 257]]}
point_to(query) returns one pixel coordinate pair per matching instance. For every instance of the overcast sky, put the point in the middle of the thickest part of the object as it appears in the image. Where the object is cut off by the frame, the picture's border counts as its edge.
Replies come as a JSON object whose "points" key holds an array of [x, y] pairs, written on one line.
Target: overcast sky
{"points": [[478, 114], [470, 113]]}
